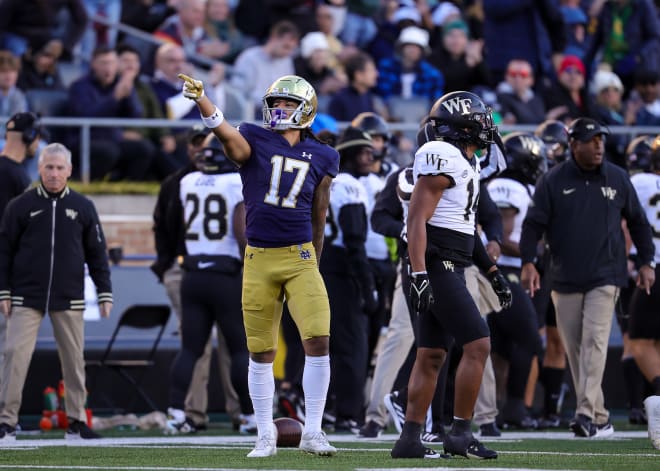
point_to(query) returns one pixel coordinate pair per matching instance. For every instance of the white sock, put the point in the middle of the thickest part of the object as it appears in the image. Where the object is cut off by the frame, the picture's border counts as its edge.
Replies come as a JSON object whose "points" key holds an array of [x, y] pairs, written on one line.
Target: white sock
{"points": [[261, 384], [316, 378]]}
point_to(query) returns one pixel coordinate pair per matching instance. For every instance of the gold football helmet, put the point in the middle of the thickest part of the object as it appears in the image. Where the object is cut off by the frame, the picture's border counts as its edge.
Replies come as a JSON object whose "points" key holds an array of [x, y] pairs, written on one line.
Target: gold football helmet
{"points": [[294, 88]]}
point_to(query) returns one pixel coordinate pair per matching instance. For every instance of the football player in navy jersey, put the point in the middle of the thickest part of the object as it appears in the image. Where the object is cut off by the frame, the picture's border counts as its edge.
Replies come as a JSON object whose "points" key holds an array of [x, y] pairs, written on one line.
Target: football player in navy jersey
{"points": [[442, 241], [286, 173]]}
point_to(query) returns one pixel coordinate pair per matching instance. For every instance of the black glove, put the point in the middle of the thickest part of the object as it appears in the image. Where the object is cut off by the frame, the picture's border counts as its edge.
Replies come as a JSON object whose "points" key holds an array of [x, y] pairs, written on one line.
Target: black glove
{"points": [[501, 288], [421, 294]]}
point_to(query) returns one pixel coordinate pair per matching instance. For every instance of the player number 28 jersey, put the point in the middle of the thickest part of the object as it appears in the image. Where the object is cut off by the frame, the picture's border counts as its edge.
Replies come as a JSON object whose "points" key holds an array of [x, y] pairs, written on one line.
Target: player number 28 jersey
{"points": [[208, 203], [456, 209], [647, 186]]}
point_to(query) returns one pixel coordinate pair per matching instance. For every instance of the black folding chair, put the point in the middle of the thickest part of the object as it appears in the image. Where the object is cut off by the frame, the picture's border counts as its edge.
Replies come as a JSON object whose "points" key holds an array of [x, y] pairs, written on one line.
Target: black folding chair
{"points": [[133, 369]]}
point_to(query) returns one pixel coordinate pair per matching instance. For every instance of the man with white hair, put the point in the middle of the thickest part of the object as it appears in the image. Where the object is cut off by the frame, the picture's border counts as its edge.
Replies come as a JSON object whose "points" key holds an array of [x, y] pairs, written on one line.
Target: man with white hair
{"points": [[47, 235]]}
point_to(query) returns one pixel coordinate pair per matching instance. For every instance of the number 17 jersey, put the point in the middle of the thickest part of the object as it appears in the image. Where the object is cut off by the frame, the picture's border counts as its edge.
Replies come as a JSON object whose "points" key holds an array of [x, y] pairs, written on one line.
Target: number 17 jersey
{"points": [[279, 181]]}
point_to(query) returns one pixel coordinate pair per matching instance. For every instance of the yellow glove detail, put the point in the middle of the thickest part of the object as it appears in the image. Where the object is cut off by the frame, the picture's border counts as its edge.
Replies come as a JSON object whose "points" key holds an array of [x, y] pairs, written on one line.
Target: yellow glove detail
{"points": [[192, 89]]}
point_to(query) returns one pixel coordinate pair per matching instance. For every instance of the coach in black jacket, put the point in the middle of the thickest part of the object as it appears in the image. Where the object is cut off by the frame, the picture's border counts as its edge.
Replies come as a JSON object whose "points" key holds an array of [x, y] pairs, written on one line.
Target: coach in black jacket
{"points": [[47, 235], [579, 205]]}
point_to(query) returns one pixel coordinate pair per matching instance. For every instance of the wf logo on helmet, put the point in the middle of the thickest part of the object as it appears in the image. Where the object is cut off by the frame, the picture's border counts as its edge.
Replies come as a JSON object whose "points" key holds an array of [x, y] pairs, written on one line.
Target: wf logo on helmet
{"points": [[458, 105]]}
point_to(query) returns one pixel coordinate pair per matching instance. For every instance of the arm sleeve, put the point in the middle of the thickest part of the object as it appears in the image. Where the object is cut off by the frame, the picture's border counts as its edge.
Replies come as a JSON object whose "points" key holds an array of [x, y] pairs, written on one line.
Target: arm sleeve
{"points": [[165, 252], [480, 256], [489, 216], [387, 215], [535, 222], [96, 256], [8, 235]]}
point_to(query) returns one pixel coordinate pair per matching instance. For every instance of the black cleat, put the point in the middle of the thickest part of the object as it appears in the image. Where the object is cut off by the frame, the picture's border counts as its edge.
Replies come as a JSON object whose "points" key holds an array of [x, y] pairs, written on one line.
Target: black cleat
{"points": [[413, 449], [370, 430], [489, 430], [468, 446]]}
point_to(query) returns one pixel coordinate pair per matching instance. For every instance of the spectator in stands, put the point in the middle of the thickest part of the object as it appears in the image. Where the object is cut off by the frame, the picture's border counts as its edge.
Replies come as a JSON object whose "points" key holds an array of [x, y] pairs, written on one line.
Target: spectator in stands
{"points": [[164, 144], [326, 24], [408, 74], [235, 105], [508, 27], [357, 97], [104, 93], [186, 29], [170, 61], [568, 98], [22, 22], [220, 26], [256, 68], [459, 58], [575, 21], [627, 37], [40, 66], [44, 247], [12, 99], [313, 64], [146, 15], [519, 104], [608, 92], [644, 102], [395, 19], [359, 25], [101, 28]]}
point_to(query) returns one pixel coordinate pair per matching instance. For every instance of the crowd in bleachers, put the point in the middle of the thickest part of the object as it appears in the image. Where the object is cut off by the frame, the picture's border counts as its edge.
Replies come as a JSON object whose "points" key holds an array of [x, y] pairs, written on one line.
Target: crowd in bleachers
{"points": [[531, 61]]}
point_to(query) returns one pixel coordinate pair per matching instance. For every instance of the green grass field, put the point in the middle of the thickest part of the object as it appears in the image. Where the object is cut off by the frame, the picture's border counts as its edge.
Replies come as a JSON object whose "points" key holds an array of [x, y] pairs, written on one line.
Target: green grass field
{"points": [[217, 449]]}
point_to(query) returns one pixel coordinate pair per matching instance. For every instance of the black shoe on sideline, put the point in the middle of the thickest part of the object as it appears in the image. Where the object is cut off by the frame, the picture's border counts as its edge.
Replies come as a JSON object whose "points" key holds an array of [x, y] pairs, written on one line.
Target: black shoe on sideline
{"points": [[370, 430], [468, 446], [582, 426], [489, 430], [79, 430]]}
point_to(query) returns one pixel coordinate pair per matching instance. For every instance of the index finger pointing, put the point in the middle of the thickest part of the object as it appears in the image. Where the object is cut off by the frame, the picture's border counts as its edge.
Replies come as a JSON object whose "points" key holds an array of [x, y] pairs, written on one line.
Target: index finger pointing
{"points": [[186, 78]]}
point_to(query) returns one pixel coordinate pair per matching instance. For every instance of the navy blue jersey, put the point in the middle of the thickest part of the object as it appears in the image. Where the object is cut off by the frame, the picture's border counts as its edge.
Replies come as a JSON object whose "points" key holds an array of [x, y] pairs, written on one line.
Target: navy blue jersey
{"points": [[279, 181]]}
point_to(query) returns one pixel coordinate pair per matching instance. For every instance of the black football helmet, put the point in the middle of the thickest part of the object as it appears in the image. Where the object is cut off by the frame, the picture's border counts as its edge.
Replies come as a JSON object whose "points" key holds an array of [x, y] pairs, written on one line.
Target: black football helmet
{"points": [[463, 117], [638, 154], [211, 159], [555, 135], [374, 125], [526, 156]]}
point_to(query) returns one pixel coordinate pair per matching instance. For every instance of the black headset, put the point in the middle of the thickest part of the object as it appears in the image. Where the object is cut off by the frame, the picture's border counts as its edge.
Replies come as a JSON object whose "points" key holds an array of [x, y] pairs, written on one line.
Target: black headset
{"points": [[32, 132]]}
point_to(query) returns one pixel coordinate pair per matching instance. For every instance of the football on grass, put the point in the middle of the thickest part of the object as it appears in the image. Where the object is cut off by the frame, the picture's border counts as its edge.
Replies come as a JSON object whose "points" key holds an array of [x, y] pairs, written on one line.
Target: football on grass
{"points": [[289, 432]]}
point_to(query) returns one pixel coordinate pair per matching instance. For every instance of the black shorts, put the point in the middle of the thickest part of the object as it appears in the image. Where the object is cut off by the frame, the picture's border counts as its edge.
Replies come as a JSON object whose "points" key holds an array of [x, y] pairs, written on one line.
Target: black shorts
{"points": [[454, 314], [644, 313], [622, 306]]}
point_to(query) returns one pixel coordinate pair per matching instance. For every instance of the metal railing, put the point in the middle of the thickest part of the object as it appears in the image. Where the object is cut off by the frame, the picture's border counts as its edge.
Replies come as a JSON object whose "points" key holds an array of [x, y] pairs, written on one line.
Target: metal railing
{"points": [[85, 125]]}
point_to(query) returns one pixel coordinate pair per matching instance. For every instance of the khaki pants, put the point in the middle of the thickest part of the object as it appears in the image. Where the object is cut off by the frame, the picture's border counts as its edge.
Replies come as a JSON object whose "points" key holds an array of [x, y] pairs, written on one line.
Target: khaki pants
{"points": [[391, 356], [485, 409], [22, 331], [584, 321], [197, 398]]}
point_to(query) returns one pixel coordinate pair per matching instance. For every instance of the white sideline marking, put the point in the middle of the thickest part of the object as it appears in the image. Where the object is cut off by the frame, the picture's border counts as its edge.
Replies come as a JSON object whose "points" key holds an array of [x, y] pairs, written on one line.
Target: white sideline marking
{"points": [[462, 469], [249, 440]]}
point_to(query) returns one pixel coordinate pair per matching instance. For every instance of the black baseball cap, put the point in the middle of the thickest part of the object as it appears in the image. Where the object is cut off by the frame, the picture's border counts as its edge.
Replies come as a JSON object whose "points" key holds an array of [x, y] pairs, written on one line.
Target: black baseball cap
{"points": [[585, 129], [21, 122]]}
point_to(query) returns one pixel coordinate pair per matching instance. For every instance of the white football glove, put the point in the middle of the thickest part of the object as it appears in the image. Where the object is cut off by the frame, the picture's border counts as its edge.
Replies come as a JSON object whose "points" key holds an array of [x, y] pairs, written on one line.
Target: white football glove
{"points": [[192, 89]]}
